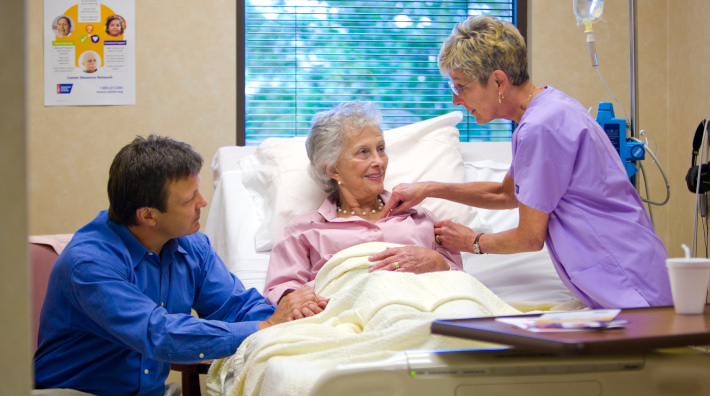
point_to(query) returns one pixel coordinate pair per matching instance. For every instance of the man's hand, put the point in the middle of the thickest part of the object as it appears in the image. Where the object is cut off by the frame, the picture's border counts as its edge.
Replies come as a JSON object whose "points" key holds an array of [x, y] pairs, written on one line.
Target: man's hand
{"points": [[296, 305], [404, 196]]}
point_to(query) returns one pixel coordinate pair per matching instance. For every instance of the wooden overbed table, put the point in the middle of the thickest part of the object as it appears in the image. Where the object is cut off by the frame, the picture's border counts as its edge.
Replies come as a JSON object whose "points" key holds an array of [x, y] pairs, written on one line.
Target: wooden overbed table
{"points": [[647, 329]]}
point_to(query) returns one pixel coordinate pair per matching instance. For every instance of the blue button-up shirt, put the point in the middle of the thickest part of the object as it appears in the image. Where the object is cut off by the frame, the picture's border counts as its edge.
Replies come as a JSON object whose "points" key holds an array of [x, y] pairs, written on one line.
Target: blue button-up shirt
{"points": [[115, 314]]}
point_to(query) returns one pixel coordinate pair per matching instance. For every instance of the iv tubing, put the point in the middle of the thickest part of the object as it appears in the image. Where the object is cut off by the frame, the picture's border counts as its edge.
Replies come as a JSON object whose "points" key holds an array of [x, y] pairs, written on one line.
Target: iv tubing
{"points": [[592, 50], [645, 184], [612, 93], [665, 179]]}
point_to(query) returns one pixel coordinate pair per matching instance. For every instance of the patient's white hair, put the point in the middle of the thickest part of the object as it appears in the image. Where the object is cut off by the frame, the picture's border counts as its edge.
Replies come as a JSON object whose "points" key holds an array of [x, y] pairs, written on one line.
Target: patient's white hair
{"points": [[326, 139]]}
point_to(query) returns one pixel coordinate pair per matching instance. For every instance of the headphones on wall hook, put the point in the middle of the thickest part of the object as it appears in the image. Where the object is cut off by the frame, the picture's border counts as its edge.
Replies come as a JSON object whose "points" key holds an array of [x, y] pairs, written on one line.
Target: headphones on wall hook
{"points": [[691, 178]]}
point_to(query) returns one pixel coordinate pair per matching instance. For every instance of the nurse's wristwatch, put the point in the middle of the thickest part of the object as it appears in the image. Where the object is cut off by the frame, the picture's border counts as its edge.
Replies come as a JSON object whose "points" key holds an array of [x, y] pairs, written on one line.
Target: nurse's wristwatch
{"points": [[476, 248]]}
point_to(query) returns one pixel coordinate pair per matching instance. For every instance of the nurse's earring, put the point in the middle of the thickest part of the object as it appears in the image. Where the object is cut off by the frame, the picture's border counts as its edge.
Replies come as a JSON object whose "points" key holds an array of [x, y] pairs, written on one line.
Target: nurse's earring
{"points": [[500, 96]]}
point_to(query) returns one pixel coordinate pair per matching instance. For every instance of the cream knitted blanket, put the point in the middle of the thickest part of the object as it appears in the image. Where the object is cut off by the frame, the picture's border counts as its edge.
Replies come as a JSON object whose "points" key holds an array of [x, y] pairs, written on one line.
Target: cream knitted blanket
{"points": [[370, 316]]}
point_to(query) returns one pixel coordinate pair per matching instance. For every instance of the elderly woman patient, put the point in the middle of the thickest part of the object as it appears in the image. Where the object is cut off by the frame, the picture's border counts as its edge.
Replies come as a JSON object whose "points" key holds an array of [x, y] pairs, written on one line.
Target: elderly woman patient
{"points": [[347, 152]]}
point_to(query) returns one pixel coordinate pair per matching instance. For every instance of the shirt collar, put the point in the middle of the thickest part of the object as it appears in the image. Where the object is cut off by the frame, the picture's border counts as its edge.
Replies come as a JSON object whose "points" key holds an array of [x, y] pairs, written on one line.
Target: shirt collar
{"points": [[173, 246], [136, 249]]}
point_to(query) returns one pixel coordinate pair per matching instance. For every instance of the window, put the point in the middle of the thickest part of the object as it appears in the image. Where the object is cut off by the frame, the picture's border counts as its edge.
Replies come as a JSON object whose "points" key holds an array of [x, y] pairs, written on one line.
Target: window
{"points": [[304, 56]]}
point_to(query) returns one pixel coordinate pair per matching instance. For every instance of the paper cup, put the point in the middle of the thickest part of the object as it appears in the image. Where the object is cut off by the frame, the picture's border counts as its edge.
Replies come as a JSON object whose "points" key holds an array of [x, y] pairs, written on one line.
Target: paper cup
{"points": [[689, 283]]}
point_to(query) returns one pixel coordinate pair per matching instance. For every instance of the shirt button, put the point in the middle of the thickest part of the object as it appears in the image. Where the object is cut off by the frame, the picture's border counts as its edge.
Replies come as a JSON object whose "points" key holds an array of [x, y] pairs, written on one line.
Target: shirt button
{"points": [[162, 304], [150, 253], [375, 229], [146, 371], [202, 355]]}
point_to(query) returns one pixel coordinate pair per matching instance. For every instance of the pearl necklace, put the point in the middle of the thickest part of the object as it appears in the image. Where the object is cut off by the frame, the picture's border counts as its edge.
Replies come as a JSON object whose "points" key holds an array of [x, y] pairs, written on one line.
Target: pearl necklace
{"points": [[381, 205]]}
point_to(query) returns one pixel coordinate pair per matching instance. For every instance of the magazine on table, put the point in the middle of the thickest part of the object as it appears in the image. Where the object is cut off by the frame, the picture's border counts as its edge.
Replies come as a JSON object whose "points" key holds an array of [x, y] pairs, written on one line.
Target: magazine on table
{"points": [[594, 320]]}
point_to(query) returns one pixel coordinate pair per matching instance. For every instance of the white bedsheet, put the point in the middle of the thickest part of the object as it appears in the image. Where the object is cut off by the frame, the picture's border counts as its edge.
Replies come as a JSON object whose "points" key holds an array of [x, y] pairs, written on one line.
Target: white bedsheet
{"points": [[370, 316]]}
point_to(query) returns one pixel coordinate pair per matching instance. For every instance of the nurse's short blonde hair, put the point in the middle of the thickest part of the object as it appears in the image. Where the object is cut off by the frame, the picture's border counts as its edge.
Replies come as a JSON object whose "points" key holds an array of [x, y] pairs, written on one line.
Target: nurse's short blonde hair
{"points": [[480, 45]]}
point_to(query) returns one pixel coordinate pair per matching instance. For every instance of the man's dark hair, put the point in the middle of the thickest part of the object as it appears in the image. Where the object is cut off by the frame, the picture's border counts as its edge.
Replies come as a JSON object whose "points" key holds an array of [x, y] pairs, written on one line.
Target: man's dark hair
{"points": [[141, 174]]}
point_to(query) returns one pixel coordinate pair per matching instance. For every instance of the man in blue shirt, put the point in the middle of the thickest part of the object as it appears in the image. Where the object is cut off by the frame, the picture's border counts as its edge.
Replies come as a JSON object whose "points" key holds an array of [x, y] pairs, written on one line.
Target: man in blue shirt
{"points": [[118, 303]]}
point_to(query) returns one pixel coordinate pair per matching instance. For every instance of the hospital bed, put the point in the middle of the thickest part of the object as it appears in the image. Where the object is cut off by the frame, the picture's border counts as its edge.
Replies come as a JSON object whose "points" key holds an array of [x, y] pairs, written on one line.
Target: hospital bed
{"points": [[235, 218], [257, 190]]}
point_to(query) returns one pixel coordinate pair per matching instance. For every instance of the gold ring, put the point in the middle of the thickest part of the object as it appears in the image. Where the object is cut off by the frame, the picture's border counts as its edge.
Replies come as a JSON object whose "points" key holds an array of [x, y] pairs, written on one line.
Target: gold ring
{"points": [[437, 239], [396, 265]]}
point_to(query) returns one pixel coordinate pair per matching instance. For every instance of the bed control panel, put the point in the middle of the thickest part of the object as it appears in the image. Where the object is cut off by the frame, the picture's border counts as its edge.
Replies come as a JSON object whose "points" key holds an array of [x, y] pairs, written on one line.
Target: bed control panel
{"points": [[505, 362]]}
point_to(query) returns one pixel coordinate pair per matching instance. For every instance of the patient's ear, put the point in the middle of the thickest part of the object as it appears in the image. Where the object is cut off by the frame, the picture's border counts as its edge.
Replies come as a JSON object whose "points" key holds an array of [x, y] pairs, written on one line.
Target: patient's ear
{"points": [[146, 216], [332, 172]]}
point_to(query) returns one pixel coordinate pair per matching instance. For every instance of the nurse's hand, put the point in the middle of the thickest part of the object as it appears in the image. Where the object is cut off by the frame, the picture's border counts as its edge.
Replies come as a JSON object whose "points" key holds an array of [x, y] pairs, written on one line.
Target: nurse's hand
{"points": [[409, 259], [454, 236], [298, 304], [404, 196]]}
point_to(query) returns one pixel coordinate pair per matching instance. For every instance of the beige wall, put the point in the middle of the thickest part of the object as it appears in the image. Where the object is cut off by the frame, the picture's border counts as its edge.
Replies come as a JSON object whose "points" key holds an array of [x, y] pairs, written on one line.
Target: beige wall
{"points": [[185, 88], [672, 84], [686, 88], [15, 361]]}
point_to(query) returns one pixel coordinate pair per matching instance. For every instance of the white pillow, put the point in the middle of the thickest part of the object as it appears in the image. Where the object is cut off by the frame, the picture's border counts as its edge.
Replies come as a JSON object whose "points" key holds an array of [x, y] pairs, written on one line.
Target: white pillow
{"points": [[231, 224], [488, 170], [278, 180]]}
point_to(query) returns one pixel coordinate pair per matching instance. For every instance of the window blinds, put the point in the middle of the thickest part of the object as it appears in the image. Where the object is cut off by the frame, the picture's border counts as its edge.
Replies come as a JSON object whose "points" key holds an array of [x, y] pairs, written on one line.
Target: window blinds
{"points": [[302, 57]]}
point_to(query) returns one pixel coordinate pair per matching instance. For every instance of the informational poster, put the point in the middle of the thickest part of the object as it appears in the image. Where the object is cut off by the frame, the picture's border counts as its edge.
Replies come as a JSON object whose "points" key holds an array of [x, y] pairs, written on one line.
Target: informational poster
{"points": [[89, 52]]}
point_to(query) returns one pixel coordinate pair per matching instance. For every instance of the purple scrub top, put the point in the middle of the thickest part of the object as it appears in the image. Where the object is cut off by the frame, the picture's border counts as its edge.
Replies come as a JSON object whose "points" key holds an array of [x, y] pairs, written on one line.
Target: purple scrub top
{"points": [[600, 237]]}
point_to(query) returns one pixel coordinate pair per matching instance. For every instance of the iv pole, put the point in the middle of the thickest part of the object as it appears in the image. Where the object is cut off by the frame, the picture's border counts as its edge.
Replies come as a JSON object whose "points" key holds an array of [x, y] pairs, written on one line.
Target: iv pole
{"points": [[632, 64]]}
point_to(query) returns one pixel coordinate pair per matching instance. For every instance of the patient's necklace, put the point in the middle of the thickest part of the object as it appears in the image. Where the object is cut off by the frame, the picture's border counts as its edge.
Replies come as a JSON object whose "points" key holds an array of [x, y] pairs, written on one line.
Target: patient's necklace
{"points": [[380, 205]]}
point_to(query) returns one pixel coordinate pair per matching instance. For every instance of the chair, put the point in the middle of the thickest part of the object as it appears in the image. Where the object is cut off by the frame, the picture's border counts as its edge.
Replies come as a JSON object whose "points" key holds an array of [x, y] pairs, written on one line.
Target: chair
{"points": [[191, 376], [42, 258]]}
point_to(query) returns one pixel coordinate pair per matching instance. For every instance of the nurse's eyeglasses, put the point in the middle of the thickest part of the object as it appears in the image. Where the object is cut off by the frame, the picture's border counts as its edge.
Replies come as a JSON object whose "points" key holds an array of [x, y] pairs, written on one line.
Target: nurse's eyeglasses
{"points": [[456, 89]]}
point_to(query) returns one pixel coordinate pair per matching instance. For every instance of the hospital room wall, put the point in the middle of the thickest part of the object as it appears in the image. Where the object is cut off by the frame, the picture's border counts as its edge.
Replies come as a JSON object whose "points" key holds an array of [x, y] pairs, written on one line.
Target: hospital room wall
{"points": [[185, 89], [688, 84], [672, 84], [15, 362]]}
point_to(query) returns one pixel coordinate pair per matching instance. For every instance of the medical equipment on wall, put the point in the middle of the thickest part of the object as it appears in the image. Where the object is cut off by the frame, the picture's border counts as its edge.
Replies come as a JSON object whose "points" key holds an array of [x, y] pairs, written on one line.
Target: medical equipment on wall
{"points": [[698, 181], [698, 176], [615, 128], [631, 150]]}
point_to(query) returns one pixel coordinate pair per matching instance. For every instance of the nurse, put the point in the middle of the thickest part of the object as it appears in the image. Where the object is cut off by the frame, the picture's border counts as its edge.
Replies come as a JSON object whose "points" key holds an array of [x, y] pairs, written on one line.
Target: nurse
{"points": [[566, 179]]}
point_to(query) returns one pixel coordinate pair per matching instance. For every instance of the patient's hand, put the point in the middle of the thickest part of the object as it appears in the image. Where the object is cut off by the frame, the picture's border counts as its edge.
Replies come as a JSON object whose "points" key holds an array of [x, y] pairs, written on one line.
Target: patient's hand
{"points": [[409, 259], [298, 304]]}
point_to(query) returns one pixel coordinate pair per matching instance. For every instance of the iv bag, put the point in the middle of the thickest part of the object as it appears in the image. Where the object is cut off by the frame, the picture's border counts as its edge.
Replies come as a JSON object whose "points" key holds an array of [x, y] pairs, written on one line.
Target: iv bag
{"points": [[587, 11]]}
